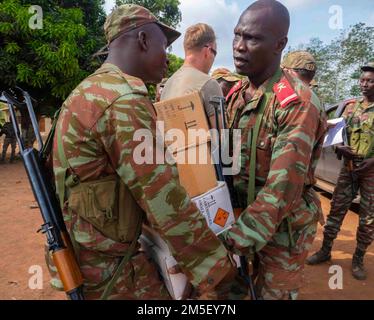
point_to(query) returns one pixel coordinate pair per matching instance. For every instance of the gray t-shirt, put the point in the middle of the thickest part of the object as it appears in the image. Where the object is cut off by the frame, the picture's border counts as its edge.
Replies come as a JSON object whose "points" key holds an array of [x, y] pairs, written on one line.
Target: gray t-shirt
{"points": [[187, 80]]}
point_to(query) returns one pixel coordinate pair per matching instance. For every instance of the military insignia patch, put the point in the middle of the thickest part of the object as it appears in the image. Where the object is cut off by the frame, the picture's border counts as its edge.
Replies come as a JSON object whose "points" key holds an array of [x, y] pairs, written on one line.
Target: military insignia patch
{"points": [[285, 93]]}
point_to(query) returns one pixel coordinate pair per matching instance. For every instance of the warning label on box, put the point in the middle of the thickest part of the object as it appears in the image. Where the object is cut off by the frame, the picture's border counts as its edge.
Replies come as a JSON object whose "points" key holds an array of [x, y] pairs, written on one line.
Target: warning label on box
{"points": [[216, 207], [221, 217]]}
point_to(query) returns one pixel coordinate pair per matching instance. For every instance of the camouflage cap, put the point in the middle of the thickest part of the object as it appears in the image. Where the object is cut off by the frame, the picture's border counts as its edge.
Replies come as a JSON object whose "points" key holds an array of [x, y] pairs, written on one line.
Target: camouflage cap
{"points": [[368, 66], [299, 60], [131, 16], [225, 74]]}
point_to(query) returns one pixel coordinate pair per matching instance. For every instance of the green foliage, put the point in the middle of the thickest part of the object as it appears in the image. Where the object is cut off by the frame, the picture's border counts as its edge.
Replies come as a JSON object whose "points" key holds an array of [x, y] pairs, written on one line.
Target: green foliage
{"points": [[174, 64], [339, 62], [51, 61], [166, 10]]}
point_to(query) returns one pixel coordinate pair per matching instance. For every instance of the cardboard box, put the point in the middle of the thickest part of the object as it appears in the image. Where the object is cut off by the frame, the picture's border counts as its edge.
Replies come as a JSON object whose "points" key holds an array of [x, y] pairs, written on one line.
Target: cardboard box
{"points": [[196, 171], [185, 113], [159, 252], [216, 207]]}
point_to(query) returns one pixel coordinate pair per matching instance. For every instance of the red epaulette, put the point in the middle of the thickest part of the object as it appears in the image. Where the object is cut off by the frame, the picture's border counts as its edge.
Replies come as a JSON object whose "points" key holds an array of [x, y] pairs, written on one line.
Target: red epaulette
{"points": [[285, 93], [235, 88]]}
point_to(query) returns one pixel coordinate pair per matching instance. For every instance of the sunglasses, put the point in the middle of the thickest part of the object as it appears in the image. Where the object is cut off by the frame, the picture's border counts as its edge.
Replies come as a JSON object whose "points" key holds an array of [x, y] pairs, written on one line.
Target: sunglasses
{"points": [[212, 50]]}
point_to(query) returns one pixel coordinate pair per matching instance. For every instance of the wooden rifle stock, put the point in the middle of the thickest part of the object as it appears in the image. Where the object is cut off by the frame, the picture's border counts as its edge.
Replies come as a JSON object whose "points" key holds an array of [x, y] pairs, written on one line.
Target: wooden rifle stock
{"points": [[54, 228]]}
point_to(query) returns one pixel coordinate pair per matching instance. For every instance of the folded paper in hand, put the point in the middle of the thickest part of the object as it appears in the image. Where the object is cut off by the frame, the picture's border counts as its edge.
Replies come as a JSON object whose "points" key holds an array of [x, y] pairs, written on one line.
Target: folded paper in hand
{"points": [[335, 134]]}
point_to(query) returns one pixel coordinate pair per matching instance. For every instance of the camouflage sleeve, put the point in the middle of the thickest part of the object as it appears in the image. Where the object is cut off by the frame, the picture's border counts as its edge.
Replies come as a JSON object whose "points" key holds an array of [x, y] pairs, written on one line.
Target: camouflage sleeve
{"points": [[298, 126], [156, 188]]}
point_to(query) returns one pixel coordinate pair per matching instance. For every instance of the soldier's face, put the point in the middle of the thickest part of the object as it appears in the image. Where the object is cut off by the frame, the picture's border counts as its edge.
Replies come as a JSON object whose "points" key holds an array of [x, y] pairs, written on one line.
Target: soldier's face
{"points": [[367, 84], [156, 61], [255, 45]]}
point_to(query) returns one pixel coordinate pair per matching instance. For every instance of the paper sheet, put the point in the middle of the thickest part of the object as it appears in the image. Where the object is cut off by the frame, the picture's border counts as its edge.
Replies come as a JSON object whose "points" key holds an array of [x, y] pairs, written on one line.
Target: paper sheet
{"points": [[335, 134]]}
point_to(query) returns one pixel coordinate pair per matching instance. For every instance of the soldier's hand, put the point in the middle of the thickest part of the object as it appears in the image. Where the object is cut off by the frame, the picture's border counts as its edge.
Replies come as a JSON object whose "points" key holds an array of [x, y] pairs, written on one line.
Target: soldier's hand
{"points": [[365, 166], [346, 152]]}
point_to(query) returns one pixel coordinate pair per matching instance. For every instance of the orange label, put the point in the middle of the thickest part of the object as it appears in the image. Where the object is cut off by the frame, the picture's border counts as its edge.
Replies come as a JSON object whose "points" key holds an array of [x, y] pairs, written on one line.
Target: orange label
{"points": [[221, 217]]}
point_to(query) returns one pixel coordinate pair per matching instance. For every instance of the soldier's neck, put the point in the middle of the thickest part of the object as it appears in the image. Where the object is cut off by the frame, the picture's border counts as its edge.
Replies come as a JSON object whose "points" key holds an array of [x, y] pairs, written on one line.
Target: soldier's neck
{"points": [[258, 80], [369, 99]]}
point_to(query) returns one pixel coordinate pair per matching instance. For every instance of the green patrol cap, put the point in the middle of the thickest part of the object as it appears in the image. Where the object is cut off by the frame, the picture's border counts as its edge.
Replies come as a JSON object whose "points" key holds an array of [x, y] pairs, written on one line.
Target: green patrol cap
{"points": [[299, 60], [368, 67], [131, 16]]}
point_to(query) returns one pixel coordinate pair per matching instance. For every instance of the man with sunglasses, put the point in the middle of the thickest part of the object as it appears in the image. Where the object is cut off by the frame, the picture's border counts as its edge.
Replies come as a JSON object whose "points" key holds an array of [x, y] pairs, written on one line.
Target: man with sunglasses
{"points": [[356, 174], [200, 51]]}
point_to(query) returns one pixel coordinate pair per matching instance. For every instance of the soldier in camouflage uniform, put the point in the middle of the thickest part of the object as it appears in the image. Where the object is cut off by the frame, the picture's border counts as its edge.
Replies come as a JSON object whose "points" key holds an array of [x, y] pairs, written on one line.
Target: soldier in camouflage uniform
{"points": [[9, 140], [106, 195], [356, 174], [303, 64], [275, 183]]}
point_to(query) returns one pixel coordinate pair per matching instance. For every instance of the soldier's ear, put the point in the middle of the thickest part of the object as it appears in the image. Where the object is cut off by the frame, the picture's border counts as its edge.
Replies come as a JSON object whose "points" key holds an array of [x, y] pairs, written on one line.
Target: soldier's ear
{"points": [[281, 45], [143, 40]]}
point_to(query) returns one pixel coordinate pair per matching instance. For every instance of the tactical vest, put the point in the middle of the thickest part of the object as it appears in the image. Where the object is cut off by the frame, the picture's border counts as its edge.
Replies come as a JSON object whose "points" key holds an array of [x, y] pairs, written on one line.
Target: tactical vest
{"points": [[106, 203], [361, 135]]}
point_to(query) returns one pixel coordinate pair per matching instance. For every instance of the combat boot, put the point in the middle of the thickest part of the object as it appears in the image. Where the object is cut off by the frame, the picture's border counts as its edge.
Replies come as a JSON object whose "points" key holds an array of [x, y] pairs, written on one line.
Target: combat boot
{"points": [[358, 270], [323, 255]]}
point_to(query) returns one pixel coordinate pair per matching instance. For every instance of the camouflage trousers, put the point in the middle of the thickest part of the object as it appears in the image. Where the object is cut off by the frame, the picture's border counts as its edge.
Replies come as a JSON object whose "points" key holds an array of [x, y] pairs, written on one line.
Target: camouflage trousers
{"points": [[281, 262], [349, 183], [9, 142]]}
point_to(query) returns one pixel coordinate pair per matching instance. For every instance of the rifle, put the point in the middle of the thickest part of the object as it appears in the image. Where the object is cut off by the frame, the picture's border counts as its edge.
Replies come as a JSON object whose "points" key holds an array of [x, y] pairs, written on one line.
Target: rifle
{"points": [[54, 228], [220, 112]]}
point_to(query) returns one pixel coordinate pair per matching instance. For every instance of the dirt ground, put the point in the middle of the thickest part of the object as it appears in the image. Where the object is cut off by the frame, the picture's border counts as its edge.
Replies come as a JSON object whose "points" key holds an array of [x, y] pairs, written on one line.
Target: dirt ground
{"points": [[21, 248]]}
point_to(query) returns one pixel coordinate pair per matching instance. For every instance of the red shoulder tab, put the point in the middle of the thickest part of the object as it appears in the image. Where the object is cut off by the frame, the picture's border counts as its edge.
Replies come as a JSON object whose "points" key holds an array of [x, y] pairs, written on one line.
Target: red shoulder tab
{"points": [[235, 88], [285, 93]]}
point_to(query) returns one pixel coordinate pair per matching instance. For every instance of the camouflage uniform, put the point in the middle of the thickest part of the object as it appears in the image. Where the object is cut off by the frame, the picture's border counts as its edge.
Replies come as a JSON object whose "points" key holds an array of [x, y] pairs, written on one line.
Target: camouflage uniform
{"points": [[95, 133], [280, 224], [10, 140], [360, 121]]}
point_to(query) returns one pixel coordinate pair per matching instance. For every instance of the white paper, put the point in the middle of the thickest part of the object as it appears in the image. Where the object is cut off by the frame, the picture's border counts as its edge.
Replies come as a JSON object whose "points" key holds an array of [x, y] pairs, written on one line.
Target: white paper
{"points": [[214, 205], [335, 134]]}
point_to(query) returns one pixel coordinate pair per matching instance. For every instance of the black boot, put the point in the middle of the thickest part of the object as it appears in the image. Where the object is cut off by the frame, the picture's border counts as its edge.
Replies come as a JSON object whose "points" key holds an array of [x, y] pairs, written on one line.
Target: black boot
{"points": [[358, 270], [323, 255]]}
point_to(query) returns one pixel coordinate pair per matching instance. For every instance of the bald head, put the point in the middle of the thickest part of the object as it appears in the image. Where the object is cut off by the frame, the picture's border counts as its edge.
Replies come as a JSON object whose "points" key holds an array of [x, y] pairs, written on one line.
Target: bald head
{"points": [[274, 14], [260, 38]]}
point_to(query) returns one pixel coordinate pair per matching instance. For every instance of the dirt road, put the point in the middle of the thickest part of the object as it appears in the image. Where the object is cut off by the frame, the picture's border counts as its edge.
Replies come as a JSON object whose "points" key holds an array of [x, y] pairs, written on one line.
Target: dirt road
{"points": [[21, 248]]}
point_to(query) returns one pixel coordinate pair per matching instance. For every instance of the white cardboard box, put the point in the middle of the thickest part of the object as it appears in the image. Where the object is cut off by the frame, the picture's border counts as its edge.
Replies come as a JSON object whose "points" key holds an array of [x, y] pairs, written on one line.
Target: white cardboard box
{"points": [[216, 207], [157, 249]]}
